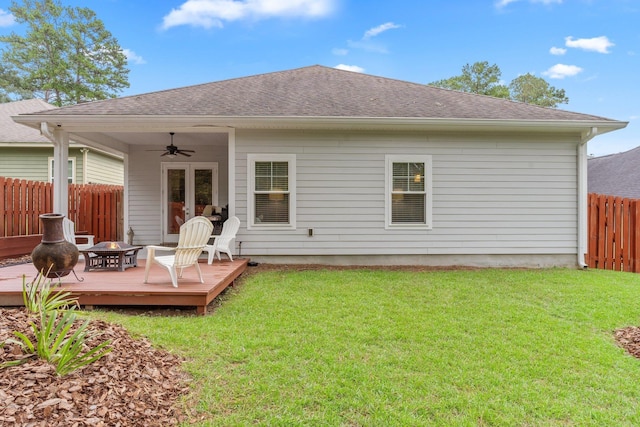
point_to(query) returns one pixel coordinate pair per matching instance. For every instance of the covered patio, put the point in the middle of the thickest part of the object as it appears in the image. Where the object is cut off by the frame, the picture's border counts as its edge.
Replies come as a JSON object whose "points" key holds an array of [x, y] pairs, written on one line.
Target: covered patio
{"points": [[127, 288]]}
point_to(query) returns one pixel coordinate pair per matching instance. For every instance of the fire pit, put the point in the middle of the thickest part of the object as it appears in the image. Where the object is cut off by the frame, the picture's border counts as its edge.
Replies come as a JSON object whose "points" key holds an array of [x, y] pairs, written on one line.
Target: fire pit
{"points": [[110, 256]]}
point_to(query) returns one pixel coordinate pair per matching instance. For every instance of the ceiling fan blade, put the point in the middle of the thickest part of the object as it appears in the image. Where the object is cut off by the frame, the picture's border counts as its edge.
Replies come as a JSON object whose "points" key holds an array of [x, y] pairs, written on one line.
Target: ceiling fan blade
{"points": [[184, 154], [188, 151], [166, 153]]}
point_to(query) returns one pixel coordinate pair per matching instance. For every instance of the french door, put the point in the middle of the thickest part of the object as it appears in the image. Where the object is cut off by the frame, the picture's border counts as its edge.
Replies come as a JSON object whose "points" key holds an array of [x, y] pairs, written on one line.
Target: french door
{"points": [[186, 189]]}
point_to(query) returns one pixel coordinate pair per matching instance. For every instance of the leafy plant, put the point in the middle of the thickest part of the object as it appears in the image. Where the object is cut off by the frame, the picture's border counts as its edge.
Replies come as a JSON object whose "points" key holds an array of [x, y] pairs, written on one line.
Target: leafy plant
{"points": [[38, 296], [55, 339]]}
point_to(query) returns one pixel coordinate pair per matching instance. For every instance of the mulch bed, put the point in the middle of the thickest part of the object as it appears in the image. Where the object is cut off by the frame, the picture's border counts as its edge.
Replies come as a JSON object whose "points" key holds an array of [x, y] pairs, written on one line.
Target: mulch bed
{"points": [[133, 385], [629, 339]]}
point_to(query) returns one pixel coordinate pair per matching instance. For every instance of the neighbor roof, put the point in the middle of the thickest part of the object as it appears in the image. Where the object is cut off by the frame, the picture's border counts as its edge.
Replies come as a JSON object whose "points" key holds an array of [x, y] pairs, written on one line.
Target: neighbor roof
{"points": [[11, 131], [319, 91], [616, 174]]}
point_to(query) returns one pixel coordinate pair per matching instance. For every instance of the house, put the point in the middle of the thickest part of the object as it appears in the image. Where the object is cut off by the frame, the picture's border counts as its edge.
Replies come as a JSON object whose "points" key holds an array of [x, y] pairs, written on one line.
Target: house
{"points": [[329, 166], [616, 174], [27, 154]]}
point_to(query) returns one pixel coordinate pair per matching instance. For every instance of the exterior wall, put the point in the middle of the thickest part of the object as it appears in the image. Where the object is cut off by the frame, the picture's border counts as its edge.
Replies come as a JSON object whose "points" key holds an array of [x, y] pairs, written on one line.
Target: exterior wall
{"points": [[25, 163], [32, 163], [144, 190], [493, 195], [104, 169]]}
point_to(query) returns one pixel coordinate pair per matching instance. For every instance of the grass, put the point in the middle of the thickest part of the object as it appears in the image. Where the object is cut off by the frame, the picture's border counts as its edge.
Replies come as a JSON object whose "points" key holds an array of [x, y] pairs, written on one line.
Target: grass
{"points": [[390, 348]]}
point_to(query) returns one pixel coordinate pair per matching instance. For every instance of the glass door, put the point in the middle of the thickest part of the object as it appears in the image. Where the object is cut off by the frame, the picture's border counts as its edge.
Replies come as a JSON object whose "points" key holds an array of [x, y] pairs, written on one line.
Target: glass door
{"points": [[186, 189]]}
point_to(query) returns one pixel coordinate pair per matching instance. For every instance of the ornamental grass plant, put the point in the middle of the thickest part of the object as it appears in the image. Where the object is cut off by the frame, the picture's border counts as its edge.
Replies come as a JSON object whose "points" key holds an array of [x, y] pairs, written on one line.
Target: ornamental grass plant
{"points": [[422, 348], [57, 337]]}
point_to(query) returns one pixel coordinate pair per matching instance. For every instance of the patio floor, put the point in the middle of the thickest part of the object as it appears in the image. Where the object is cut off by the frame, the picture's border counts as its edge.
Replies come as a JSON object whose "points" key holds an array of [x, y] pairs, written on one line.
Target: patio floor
{"points": [[127, 288]]}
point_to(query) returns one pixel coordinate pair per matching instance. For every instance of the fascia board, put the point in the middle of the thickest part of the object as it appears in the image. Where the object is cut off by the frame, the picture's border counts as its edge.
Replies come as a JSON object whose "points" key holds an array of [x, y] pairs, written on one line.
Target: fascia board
{"points": [[97, 123]]}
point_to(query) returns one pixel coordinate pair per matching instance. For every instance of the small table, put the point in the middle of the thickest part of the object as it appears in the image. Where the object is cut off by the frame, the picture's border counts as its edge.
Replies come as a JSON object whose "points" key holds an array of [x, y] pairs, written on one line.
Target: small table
{"points": [[110, 256]]}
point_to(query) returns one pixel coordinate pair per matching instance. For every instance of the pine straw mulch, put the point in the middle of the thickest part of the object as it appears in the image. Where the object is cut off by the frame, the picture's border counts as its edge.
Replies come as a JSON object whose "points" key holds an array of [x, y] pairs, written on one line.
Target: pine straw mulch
{"points": [[134, 385]]}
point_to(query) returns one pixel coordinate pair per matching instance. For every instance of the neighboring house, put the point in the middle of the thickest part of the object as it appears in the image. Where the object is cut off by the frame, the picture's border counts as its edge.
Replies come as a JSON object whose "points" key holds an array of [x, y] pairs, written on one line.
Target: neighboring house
{"points": [[329, 166], [616, 174], [27, 154]]}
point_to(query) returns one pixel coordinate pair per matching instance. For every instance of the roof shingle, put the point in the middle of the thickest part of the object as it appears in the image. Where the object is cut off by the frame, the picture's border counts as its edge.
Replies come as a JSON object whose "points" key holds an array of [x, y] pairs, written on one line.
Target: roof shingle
{"points": [[14, 132], [319, 91], [616, 174]]}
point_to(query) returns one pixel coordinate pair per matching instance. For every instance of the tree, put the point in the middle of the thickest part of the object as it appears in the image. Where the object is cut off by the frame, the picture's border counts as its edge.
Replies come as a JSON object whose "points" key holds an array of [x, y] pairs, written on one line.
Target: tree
{"points": [[535, 90], [65, 57], [9, 83], [480, 78], [483, 79]]}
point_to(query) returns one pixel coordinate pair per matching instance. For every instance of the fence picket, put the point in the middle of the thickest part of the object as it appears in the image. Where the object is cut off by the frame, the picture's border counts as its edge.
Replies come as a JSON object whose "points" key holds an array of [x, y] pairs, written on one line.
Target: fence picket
{"points": [[22, 202], [614, 233]]}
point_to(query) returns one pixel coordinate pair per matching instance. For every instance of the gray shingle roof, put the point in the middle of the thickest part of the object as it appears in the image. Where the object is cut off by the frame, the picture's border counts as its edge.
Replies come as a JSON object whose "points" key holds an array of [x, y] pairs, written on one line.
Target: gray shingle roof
{"points": [[319, 91], [616, 174], [11, 131]]}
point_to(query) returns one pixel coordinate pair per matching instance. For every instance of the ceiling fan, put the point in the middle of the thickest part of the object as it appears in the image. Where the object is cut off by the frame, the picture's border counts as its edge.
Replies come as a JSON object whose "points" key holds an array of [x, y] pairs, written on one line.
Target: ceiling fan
{"points": [[172, 151]]}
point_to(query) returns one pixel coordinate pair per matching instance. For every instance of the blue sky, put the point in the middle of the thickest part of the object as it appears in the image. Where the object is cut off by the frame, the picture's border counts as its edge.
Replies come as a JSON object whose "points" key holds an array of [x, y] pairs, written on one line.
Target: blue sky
{"points": [[589, 48]]}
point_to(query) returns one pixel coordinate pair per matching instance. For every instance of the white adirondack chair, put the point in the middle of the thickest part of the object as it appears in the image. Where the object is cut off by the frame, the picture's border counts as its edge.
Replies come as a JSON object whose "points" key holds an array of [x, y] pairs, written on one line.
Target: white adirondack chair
{"points": [[194, 235], [69, 230], [222, 243]]}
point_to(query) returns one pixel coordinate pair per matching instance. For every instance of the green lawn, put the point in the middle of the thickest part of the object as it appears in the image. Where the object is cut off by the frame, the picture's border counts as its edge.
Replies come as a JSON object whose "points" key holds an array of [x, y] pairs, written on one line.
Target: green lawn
{"points": [[444, 348]]}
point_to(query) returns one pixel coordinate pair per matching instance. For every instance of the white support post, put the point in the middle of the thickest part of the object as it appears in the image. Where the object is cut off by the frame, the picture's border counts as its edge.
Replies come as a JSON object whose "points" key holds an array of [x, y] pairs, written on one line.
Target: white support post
{"points": [[60, 141]]}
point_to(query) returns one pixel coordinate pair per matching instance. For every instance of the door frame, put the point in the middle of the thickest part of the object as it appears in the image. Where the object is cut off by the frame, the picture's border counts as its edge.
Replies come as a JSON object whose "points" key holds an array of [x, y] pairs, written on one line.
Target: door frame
{"points": [[189, 168]]}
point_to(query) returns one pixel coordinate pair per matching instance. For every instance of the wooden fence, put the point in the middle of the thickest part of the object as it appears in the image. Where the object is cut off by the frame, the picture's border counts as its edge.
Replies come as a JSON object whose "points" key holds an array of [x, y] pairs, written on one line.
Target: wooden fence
{"points": [[96, 209], [614, 233]]}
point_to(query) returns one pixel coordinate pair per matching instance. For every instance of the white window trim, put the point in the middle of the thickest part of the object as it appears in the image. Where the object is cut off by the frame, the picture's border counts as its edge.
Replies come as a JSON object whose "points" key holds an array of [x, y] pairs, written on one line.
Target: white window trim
{"points": [[251, 183], [72, 177], [389, 161]]}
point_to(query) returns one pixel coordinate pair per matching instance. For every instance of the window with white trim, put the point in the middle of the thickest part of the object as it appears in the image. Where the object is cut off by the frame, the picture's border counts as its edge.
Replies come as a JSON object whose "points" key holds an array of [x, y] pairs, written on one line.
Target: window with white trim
{"points": [[408, 191], [272, 196], [71, 172]]}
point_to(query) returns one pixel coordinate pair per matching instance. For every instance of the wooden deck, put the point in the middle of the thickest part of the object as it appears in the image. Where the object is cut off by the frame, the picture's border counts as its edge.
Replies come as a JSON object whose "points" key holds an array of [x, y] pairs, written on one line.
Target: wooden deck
{"points": [[127, 288]]}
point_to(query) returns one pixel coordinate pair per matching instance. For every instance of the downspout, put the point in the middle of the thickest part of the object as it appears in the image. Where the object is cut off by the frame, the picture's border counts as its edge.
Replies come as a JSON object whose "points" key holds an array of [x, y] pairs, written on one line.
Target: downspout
{"points": [[583, 195]]}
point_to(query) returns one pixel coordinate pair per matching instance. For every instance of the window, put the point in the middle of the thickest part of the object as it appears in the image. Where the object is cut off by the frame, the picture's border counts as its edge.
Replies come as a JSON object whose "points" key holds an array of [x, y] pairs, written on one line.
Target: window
{"points": [[272, 196], [71, 172], [408, 199]]}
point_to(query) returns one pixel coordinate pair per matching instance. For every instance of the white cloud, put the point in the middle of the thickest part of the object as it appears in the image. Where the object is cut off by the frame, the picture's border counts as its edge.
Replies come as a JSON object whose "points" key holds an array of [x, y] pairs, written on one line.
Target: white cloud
{"points": [[212, 13], [353, 68], [379, 29], [503, 3], [596, 44], [560, 71], [340, 52], [133, 57], [6, 19], [366, 43], [557, 51]]}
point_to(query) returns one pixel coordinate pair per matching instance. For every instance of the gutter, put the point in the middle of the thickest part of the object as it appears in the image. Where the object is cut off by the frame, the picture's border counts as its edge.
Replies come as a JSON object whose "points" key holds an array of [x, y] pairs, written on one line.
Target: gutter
{"points": [[190, 123], [583, 195]]}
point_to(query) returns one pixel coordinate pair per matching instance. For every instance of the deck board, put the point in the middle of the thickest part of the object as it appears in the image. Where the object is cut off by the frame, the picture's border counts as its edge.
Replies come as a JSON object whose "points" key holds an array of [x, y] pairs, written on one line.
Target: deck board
{"points": [[127, 288]]}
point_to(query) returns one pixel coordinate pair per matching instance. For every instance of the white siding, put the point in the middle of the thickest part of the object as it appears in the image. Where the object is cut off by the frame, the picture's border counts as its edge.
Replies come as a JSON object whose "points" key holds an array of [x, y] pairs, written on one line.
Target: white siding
{"points": [[492, 195], [144, 191]]}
